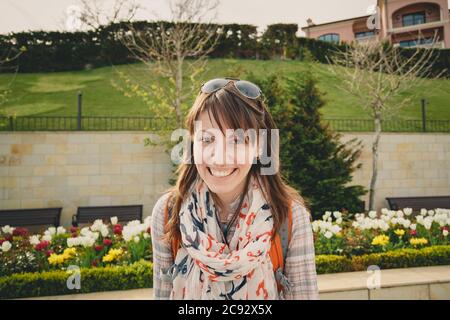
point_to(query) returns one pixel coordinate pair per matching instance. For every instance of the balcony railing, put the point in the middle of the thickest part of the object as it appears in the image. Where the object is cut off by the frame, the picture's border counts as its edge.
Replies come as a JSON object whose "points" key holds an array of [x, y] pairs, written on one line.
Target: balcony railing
{"points": [[422, 26]]}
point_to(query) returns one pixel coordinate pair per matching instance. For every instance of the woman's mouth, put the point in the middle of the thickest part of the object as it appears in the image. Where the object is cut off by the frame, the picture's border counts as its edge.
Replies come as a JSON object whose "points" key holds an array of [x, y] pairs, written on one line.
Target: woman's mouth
{"points": [[222, 173]]}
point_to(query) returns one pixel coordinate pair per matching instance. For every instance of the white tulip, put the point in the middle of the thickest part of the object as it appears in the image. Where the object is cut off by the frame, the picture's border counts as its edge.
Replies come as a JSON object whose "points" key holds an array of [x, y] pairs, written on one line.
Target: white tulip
{"points": [[34, 240], [328, 234], [335, 229], [136, 239], [146, 235], [47, 237], [7, 229], [423, 212], [337, 214], [413, 226], [6, 246], [51, 230], [85, 231], [384, 211], [114, 220], [104, 231], [407, 211], [406, 223], [373, 214], [445, 233], [430, 212], [339, 220], [60, 230], [315, 225]]}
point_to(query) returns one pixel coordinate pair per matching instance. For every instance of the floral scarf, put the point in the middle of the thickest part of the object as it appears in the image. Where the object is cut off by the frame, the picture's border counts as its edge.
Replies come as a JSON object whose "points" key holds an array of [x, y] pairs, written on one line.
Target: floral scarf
{"points": [[206, 268]]}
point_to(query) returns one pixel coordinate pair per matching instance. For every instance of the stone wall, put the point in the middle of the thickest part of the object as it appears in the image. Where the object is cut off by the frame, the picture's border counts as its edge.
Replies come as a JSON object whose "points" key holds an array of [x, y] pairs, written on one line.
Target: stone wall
{"points": [[71, 169]]}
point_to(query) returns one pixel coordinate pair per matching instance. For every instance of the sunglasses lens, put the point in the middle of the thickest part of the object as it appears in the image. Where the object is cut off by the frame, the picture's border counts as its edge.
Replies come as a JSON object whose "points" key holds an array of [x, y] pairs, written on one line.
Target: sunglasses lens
{"points": [[248, 89], [213, 85]]}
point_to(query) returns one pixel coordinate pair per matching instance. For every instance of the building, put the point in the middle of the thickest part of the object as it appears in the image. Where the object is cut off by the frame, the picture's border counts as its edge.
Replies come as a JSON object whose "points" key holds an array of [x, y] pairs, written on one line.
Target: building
{"points": [[407, 23]]}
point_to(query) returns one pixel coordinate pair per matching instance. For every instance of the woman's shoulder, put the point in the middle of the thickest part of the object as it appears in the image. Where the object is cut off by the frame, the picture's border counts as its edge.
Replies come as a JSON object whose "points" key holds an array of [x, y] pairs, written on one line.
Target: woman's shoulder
{"points": [[300, 214], [158, 213]]}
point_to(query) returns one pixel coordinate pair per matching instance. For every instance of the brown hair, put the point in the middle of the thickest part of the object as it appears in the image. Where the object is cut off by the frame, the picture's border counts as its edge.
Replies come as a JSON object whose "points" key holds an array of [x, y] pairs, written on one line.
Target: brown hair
{"points": [[229, 106]]}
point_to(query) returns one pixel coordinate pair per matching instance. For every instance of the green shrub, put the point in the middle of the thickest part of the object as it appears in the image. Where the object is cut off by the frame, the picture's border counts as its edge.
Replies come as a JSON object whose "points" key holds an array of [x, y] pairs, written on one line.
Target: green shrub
{"points": [[332, 264], [401, 258], [137, 275]]}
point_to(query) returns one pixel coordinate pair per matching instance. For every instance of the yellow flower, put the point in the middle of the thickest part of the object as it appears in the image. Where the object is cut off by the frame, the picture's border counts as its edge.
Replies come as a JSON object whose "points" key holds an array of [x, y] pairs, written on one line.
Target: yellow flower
{"points": [[112, 255], [56, 259], [68, 253], [418, 241], [399, 232], [380, 240]]}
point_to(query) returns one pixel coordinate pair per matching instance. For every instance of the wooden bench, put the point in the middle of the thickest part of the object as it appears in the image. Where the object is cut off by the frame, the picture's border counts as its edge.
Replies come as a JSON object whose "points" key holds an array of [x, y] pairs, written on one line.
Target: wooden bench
{"points": [[123, 214], [418, 203], [30, 217]]}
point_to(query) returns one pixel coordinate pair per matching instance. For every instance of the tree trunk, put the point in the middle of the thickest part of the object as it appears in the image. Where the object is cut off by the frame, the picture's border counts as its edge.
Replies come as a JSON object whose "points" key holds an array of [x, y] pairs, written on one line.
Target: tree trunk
{"points": [[373, 180], [179, 91]]}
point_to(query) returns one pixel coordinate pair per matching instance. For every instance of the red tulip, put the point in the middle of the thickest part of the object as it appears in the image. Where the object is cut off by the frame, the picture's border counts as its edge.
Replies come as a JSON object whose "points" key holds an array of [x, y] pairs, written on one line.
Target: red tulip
{"points": [[413, 232], [49, 253], [98, 248], [107, 242], [73, 229], [118, 229], [94, 263], [9, 237], [42, 245], [20, 232]]}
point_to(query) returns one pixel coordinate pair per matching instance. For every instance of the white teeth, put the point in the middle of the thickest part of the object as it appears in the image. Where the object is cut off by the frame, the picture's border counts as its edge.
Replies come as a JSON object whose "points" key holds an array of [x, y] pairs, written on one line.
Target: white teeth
{"points": [[218, 173]]}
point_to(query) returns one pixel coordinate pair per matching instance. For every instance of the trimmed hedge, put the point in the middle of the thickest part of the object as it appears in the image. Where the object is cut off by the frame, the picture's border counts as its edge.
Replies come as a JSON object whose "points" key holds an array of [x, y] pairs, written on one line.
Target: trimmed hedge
{"points": [[135, 276], [402, 258], [140, 274], [44, 51]]}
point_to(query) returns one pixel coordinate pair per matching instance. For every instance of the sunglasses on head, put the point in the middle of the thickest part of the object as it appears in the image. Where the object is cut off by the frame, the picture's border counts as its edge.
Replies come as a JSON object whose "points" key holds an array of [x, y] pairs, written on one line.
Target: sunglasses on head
{"points": [[246, 88]]}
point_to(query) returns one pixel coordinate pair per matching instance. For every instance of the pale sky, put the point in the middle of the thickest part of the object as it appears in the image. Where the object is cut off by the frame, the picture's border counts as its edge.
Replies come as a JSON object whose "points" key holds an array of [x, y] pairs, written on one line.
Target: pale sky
{"points": [[22, 15]]}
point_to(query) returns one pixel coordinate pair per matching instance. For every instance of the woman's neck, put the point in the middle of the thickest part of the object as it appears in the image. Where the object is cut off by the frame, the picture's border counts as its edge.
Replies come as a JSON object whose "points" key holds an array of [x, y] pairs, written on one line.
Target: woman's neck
{"points": [[230, 200]]}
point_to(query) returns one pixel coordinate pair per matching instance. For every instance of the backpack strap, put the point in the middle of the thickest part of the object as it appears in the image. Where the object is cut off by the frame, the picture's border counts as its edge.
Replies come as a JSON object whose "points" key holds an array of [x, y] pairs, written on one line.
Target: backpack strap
{"points": [[286, 233], [175, 243]]}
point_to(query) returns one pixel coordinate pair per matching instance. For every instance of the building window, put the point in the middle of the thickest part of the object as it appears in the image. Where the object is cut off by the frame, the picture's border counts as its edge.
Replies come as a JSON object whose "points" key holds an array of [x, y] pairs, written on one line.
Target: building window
{"points": [[415, 42], [365, 34], [331, 37], [414, 18]]}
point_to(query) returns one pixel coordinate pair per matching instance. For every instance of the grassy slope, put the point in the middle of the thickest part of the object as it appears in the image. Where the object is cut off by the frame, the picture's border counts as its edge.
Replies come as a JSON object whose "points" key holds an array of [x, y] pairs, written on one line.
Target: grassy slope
{"points": [[55, 93]]}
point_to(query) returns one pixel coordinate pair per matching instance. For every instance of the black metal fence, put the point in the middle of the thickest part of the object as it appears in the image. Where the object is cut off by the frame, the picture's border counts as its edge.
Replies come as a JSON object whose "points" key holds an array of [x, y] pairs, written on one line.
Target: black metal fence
{"points": [[86, 123], [367, 125], [143, 123]]}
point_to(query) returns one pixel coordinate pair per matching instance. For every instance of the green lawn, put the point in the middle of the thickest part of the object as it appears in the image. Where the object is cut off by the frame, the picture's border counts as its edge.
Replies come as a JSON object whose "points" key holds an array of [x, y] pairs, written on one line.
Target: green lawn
{"points": [[55, 93]]}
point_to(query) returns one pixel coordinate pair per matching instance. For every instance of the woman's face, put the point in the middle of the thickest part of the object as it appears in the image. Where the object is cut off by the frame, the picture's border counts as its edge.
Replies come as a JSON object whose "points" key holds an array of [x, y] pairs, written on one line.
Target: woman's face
{"points": [[222, 160]]}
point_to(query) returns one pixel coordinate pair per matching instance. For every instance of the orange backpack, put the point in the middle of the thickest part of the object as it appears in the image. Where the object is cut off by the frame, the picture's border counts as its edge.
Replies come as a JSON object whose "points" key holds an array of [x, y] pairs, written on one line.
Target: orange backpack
{"points": [[277, 252]]}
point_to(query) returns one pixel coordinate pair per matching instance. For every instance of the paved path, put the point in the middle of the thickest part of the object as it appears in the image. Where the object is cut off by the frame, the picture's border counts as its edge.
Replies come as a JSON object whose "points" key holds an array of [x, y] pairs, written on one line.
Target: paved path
{"points": [[410, 283]]}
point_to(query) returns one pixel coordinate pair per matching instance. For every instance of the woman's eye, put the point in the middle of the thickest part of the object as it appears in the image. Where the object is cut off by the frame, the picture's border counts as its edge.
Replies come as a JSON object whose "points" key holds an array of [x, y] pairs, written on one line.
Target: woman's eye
{"points": [[240, 140], [207, 139]]}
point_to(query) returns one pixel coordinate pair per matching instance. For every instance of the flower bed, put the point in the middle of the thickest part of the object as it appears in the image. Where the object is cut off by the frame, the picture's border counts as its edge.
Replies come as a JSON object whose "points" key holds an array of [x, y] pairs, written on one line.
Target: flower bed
{"points": [[99, 245], [115, 257], [50, 283], [373, 233]]}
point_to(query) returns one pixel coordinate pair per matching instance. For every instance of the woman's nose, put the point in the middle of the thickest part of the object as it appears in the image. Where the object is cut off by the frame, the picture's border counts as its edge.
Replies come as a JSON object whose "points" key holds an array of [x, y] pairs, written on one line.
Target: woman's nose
{"points": [[223, 154]]}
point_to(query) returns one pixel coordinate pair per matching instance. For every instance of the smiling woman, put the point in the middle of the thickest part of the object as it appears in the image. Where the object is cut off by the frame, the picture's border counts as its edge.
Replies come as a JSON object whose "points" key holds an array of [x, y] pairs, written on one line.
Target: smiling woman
{"points": [[264, 250]]}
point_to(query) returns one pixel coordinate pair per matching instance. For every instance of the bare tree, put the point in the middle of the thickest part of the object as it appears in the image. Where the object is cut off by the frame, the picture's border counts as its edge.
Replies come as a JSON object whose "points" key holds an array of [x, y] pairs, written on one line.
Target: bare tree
{"points": [[95, 13], [172, 51], [7, 56], [379, 76]]}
